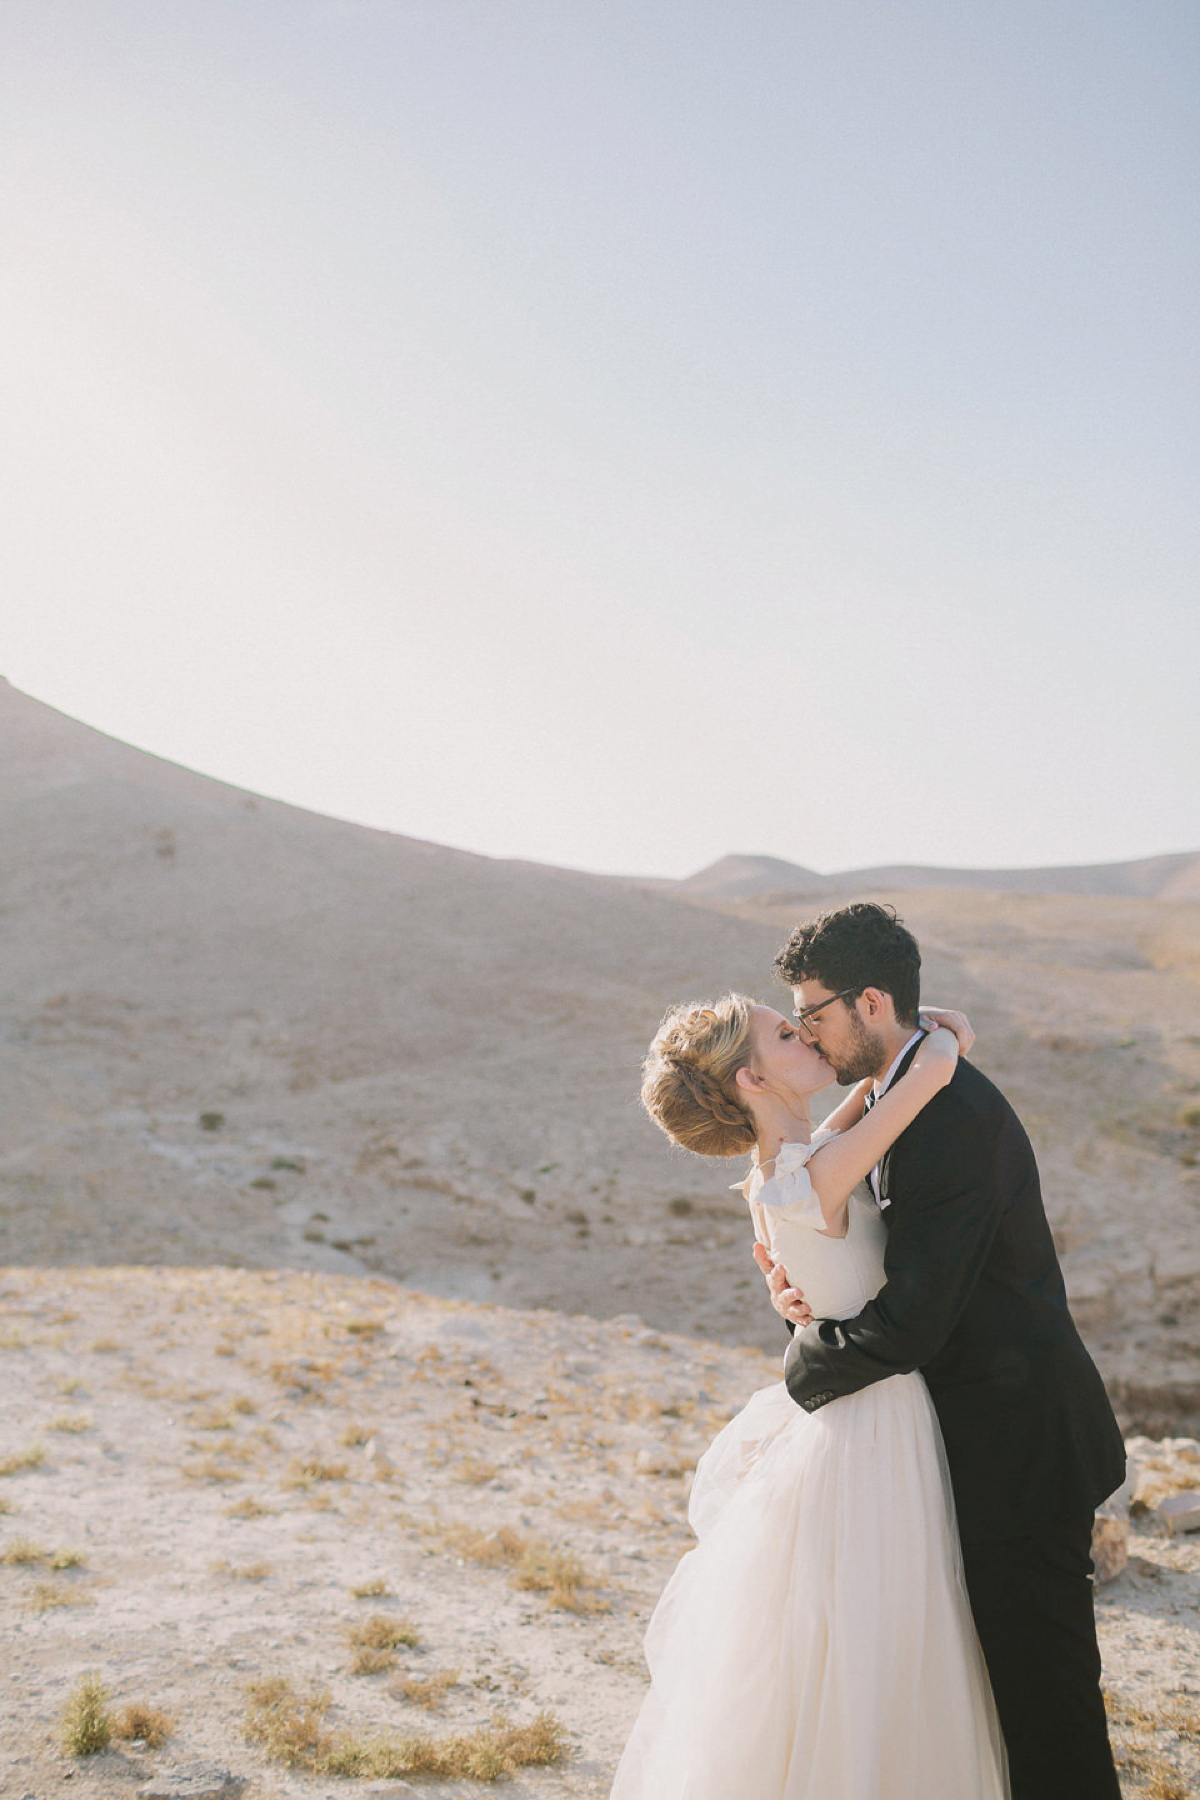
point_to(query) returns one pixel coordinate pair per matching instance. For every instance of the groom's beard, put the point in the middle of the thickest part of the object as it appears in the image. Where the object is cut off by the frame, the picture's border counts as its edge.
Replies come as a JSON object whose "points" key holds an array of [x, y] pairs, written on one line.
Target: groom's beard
{"points": [[862, 1058]]}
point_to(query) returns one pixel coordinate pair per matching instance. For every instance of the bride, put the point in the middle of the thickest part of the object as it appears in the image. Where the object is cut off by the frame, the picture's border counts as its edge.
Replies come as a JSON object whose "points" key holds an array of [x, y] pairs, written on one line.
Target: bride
{"points": [[817, 1643]]}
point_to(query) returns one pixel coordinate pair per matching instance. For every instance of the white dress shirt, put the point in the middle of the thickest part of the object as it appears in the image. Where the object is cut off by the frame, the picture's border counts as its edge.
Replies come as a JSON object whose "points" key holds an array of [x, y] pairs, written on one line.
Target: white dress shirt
{"points": [[881, 1087]]}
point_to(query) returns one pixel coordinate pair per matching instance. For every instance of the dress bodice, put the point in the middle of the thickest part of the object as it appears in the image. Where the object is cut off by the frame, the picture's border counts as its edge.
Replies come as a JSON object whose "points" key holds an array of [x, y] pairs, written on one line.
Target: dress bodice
{"points": [[837, 1276]]}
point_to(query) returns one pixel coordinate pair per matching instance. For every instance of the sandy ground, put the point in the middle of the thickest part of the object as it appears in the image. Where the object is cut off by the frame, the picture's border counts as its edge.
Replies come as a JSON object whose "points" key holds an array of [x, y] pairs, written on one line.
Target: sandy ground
{"points": [[231, 1454]]}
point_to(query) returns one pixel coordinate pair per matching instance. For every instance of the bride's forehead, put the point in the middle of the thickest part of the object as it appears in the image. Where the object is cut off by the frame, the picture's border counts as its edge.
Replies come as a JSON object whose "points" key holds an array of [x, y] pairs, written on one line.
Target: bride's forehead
{"points": [[766, 1019]]}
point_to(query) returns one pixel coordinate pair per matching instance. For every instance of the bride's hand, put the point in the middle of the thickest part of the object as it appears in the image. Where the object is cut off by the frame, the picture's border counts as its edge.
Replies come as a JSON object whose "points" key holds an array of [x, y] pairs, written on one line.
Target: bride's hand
{"points": [[935, 1018], [788, 1301]]}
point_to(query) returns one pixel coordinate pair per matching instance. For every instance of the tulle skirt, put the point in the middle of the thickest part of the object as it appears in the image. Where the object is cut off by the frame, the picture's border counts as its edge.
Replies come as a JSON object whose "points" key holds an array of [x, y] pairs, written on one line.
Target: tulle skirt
{"points": [[817, 1644]]}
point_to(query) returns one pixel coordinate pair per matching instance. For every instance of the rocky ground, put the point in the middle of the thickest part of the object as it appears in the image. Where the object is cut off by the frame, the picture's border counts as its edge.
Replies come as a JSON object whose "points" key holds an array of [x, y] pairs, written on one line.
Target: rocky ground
{"points": [[212, 1479]]}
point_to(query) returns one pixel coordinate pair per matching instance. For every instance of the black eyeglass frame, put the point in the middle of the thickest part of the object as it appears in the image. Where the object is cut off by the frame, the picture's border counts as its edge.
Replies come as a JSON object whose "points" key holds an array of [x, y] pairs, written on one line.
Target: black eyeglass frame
{"points": [[809, 1012]]}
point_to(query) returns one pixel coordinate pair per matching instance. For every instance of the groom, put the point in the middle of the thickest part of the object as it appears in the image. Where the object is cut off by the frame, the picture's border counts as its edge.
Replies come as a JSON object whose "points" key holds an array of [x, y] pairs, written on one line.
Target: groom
{"points": [[974, 1299]]}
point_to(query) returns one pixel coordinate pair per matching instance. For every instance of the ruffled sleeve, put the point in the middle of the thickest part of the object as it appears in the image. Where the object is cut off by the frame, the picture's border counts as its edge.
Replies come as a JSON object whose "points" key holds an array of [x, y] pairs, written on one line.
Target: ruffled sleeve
{"points": [[789, 1194]]}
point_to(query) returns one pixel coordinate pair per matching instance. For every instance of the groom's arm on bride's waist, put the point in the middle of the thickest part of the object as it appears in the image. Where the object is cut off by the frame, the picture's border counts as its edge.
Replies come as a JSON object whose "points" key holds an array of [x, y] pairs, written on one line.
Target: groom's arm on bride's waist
{"points": [[944, 1174]]}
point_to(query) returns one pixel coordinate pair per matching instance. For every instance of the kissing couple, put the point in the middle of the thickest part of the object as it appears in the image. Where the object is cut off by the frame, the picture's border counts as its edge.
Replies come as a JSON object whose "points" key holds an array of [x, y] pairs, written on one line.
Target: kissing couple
{"points": [[891, 1593]]}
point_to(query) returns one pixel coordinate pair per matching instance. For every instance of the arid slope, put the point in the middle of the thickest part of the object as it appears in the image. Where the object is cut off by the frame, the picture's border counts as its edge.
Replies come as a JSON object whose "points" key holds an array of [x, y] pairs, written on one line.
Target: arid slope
{"points": [[234, 1032]]}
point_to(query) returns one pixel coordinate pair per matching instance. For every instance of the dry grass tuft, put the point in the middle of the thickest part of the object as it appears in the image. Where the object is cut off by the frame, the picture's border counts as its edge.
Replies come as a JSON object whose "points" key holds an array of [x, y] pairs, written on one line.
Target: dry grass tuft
{"points": [[304, 1373], [211, 1468], [536, 1566], [354, 1435], [428, 1691], [491, 1753], [491, 1548], [303, 1471], [104, 1345], [376, 1640], [476, 1471], [6, 1504], [212, 1418], [290, 1727], [12, 1338], [72, 1385], [247, 1508], [590, 1511], [139, 1723], [72, 1422], [364, 1328], [375, 1589], [67, 1559], [254, 1571], [1166, 1784], [559, 1575], [86, 1725], [33, 1458], [22, 1551], [48, 1594]]}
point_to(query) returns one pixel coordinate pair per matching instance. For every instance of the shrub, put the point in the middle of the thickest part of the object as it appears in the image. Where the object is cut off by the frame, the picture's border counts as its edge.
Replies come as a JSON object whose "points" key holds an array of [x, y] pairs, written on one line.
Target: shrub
{"points": [[87, 1726]]}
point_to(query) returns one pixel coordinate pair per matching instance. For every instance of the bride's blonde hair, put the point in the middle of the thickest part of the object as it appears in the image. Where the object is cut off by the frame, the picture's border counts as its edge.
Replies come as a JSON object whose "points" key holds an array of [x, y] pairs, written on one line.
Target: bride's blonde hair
{"points": [[688, 1076]]}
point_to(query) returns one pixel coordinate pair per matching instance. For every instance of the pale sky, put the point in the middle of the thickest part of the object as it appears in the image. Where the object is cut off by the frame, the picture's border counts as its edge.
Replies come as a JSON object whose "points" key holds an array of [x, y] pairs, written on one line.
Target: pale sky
{"points": [[617, 432]]}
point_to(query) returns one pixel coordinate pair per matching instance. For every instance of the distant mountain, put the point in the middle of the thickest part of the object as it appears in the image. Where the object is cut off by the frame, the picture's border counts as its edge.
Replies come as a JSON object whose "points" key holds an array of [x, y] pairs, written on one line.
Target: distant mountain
{"points": [[1151, 877], [737, 877]]}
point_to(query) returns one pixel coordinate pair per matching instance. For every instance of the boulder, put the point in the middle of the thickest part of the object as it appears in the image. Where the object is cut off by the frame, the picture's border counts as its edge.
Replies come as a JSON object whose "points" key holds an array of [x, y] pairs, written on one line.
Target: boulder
{"points": [[1110, 1547], [198, 1782], [1181, 1512]]}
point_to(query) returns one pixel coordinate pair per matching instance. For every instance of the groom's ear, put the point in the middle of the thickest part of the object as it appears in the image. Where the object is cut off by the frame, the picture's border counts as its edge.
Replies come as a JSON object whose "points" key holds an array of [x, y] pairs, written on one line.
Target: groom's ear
{"points": [[880, 1005]]}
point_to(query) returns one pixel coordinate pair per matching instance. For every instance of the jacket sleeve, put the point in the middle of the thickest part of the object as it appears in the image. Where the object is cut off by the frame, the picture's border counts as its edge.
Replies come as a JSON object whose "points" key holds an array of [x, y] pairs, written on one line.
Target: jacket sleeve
{"points": [[942, 1230]]}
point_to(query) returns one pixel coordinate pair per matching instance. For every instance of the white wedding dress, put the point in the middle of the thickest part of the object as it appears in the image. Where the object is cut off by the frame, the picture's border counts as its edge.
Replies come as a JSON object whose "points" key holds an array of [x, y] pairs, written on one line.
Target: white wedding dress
{"points": [[817, 1643]]}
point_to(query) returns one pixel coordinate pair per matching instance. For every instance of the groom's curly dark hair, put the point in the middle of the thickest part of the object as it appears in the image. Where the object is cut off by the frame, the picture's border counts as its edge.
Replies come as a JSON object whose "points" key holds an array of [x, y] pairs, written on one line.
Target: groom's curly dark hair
{"points": [[859, 946]]}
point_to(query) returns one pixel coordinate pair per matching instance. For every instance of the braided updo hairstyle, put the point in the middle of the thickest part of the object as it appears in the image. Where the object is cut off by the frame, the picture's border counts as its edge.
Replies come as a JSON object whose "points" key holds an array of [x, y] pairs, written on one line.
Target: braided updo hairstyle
{"points": [[688, 1077]]}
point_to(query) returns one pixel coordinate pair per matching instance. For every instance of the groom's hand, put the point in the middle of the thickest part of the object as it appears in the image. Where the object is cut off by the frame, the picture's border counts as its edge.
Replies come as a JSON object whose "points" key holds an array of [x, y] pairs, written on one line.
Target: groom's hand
{"points": [[788, 1301]]}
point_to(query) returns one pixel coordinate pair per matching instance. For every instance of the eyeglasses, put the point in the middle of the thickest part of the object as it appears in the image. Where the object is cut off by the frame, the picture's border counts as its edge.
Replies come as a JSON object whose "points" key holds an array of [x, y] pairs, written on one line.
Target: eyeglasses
{"points": [[810, 1012]]}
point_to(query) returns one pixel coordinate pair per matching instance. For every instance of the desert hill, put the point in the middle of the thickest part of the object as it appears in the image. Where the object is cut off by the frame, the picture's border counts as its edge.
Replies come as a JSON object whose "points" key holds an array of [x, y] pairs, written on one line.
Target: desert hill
{"points": [[426, 1057], [235, 1032], [737, 877]]}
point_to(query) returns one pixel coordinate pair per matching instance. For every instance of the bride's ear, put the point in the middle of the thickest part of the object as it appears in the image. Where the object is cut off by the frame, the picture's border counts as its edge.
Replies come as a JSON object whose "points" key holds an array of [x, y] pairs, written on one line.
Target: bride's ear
{"points": [[748, 1079]]}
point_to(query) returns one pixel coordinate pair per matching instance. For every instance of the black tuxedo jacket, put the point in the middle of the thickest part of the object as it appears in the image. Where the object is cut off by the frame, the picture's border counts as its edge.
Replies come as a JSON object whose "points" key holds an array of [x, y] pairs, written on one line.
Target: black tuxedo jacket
{"points": [[974, 1298]]}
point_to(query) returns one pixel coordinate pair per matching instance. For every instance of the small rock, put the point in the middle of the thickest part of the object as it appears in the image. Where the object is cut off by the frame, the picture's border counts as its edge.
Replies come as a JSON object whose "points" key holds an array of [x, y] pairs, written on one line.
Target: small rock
{"points": [[388, 1790], [1117, 1505], [1181, 1512], [207, 1783], [1110, 1547], [381, 1463], [1180, 1269], [657, 1459]]}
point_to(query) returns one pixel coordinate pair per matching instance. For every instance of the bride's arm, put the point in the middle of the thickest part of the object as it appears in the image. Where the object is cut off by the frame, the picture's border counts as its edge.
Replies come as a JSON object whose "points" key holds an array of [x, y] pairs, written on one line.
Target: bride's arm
{"points": [[850, 1110], [836, 1169]]}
